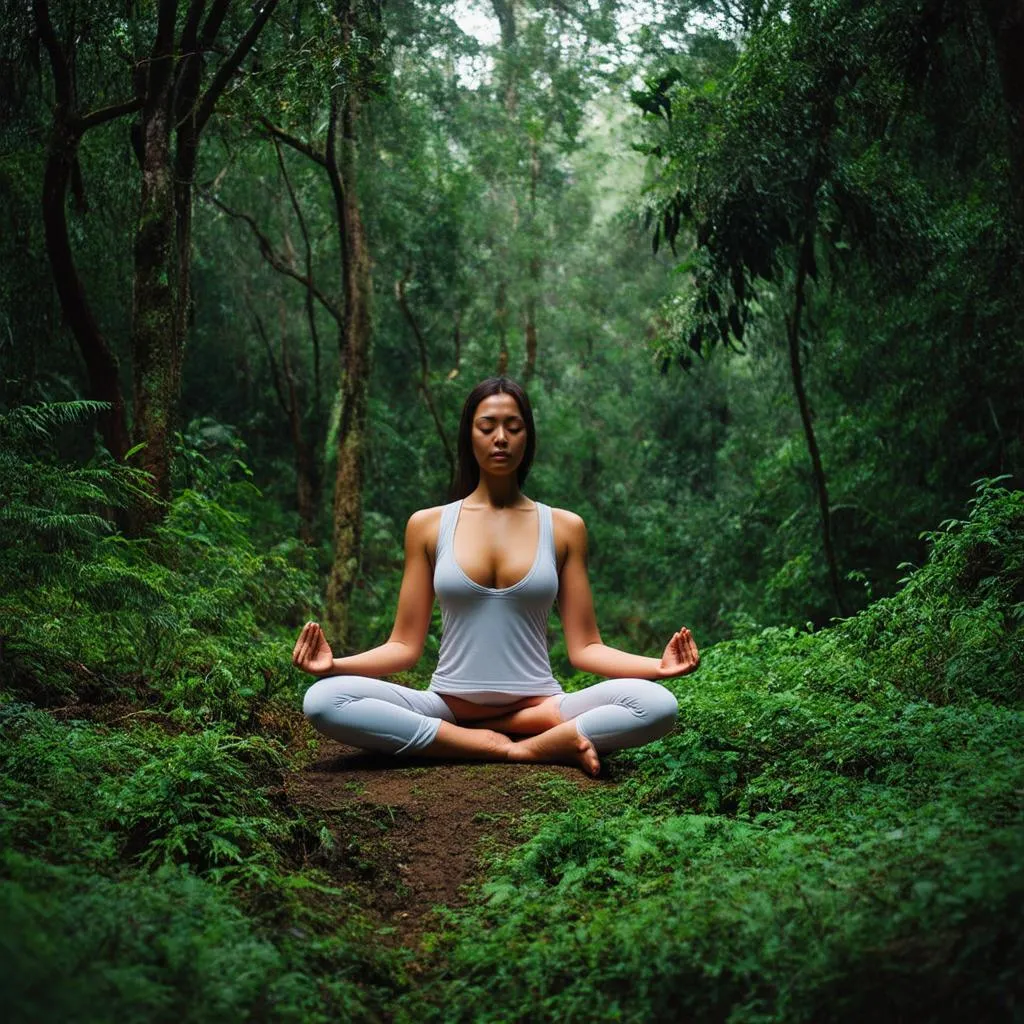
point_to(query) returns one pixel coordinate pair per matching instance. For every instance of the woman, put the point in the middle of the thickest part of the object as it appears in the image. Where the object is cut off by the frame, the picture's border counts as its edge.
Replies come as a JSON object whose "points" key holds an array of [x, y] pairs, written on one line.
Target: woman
{"points": [[496, 561]]}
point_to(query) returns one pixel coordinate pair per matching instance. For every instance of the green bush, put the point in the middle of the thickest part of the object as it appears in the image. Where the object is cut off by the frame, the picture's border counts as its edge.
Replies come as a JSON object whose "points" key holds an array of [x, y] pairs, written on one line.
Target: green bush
{"points": [[192, 618], [832, 832]]}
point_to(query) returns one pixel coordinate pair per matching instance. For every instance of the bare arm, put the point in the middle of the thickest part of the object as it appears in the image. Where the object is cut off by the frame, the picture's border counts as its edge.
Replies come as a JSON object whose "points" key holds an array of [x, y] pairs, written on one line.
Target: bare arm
{"points": [[405, 645], [582, 638]]}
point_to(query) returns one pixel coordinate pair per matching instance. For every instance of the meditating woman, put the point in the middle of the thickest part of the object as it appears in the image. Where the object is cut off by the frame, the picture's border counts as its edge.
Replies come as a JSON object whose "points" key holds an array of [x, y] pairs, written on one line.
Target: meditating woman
{"points": [[496, 560]]}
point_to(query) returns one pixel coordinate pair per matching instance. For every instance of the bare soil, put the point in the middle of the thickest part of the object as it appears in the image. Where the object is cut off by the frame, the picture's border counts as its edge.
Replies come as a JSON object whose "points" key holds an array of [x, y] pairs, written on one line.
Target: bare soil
{"points": [[411, 833]]}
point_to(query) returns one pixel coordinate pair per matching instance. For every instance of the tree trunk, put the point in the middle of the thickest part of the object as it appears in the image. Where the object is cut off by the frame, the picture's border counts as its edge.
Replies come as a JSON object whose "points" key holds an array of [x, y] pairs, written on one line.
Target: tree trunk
{"points": [[157, 319], [1006, 25], [501, 319], [356, 359], [172, 104], [174, 114], [531, 300], [61, 162], [793, 332], [505, 12], [101, 364]]}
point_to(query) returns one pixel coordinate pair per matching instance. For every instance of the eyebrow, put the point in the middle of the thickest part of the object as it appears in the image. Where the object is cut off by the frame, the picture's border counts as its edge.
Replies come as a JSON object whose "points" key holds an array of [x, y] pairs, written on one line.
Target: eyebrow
{"points": [[511, 416]]}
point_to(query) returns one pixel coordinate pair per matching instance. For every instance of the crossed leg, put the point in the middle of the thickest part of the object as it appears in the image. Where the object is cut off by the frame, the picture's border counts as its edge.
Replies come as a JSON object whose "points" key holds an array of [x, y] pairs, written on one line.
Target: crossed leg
{"points": [[607, 716], [568, 728]]}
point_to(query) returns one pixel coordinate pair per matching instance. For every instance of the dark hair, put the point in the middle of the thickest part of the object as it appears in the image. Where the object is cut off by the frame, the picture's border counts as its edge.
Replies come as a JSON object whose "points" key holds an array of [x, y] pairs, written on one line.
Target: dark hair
{"points": [[468, 475]]}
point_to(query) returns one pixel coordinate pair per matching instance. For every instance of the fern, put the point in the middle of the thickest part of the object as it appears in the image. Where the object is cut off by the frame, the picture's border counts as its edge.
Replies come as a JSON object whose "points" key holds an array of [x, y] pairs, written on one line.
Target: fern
{"points": [[39, 421]]}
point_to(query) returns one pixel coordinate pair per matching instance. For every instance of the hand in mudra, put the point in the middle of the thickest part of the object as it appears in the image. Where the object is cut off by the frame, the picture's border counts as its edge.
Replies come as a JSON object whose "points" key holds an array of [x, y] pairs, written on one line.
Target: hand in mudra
{"points": [[312, 652], [680, 655]]}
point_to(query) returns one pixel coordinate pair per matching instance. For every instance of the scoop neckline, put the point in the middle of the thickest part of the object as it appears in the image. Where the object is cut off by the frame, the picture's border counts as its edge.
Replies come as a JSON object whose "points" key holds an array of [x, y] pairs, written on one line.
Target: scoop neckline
{"points": [[498, 590]]}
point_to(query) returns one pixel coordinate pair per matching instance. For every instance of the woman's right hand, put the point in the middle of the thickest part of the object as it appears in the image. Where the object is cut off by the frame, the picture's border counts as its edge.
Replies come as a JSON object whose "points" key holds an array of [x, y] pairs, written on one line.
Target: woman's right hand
{"points": [[312, 652]]}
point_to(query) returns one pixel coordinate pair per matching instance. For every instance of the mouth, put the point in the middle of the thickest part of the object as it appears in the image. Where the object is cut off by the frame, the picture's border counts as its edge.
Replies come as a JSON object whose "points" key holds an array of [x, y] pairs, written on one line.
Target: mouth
{"points": [[499, 455]]}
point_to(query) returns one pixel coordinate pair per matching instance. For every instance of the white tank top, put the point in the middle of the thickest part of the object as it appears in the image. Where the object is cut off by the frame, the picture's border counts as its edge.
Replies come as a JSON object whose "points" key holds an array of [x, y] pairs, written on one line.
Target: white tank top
{"points": [[494, 639]]}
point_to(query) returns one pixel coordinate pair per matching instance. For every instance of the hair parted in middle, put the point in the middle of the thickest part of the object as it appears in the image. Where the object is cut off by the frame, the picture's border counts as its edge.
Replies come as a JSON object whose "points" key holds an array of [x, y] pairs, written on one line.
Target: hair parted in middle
{"points": [[468, 475]]}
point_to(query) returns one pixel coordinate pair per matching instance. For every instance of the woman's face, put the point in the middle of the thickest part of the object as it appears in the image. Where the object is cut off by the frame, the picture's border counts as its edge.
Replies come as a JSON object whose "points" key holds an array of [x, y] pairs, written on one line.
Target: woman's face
{"points": [[498, 428]]}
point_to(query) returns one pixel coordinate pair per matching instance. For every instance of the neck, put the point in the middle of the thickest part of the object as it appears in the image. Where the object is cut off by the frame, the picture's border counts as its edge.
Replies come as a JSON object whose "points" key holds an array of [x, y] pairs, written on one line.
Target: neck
{"points": [[496, 491]]}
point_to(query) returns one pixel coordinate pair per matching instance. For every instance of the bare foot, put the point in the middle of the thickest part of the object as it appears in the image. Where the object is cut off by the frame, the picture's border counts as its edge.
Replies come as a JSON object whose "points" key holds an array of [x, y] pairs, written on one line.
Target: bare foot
{"points": [[560, 745]]}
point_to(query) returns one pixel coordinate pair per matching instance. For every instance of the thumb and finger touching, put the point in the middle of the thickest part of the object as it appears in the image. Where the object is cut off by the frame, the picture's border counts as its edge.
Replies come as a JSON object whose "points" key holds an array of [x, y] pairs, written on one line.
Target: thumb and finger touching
{"points": [[310, 640]]}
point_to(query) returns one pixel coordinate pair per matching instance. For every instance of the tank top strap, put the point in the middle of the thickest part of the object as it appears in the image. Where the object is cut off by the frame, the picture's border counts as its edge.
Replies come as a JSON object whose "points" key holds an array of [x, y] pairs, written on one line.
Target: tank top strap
{"points": [[449, 513], [547, 533]]}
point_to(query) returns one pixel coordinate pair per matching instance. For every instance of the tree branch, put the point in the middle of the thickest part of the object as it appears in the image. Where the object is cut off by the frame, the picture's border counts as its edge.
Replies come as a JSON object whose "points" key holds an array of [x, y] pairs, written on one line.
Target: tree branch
{"points": [[310, 311], [213, 23], [230, 65], [268, 252], [424, 382], [337, 185], [58, 62], [101, 116], [270, 354], [190, 32], [296, 143]]}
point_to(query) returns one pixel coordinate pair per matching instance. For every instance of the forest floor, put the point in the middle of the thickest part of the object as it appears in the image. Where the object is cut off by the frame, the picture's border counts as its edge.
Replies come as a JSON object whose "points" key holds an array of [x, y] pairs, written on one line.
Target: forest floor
{"points": [[414, 833]]}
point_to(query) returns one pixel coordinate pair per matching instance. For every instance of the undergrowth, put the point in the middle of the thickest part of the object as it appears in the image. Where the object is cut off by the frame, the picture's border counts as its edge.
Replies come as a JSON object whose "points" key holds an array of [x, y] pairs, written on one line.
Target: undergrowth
{"points": [[832, 832], [152, 867]]}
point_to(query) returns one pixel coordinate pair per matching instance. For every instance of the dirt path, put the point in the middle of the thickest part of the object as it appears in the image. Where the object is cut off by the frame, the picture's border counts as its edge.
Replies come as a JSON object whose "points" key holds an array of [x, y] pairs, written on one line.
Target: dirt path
{"points": [[410, 833]]}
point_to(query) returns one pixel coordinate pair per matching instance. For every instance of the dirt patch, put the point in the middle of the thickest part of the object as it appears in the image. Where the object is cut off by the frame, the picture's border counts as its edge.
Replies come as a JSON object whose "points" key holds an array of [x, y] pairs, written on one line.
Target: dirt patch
{"points": [[411, 832]]}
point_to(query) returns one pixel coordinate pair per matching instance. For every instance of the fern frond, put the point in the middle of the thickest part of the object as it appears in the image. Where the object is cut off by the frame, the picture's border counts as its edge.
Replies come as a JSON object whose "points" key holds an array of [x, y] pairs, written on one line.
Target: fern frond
{"points": [[49, 521], [39, 420]]}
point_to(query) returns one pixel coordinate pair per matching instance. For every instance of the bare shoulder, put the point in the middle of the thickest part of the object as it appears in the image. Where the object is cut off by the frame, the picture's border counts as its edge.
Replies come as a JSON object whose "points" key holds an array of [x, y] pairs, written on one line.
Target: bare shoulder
{"points": [[566, 522], [423, 528], [570, 533], [424, 517]]}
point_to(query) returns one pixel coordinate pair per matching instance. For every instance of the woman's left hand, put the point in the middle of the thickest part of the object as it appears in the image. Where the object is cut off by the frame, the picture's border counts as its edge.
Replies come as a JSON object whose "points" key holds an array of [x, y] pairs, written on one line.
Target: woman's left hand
{"points": [[680, 656]]}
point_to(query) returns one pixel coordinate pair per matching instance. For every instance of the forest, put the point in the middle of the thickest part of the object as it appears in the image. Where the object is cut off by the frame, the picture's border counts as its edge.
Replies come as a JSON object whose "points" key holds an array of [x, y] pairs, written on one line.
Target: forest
{"points": [[759, 265]]}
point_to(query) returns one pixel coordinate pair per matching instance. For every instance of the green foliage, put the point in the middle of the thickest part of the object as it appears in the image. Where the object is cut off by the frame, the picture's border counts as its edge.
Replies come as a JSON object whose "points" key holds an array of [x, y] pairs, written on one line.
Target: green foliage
{"points": [[169, 946], [79, 947], [193, 609], [835, 143], [50, 510], [149, 871], [151, 876], [834, 830]]}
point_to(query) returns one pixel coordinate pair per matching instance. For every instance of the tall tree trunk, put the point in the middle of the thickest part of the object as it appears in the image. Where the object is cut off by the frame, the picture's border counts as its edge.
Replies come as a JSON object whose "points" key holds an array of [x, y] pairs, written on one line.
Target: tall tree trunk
{"points": [[1006, 25], [68, 127], [356, 359], [501, 319], [172, 105], [530, 365], [505, 12], [821, 487], [101, 365], [157, 320]]}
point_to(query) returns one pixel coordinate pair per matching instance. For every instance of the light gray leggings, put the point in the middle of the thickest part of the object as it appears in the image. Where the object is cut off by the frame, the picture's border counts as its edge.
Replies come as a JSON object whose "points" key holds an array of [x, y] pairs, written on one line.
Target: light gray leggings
{"points": [[377, 715]]}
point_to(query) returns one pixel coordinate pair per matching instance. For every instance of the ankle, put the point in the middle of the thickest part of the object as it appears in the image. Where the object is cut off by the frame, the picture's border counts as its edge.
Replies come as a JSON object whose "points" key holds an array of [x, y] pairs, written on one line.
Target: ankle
{"points": [[502, 744], [517, 751]]}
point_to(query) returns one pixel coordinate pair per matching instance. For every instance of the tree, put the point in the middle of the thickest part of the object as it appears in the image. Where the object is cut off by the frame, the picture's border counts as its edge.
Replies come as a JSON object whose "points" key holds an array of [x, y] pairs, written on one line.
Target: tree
{"points": [[807, 153], [174, 98], [354, 29]]}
